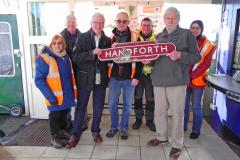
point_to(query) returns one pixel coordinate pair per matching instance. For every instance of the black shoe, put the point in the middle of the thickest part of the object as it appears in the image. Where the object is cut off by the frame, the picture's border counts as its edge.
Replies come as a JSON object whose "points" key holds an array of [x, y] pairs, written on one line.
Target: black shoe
{"points": [[84, 127], [151, 126], [63, 134], [56, 141], [137, 124], [174, 153], [194, 135], [2, 134], [156, 142], [112, 132], [124, 134]]}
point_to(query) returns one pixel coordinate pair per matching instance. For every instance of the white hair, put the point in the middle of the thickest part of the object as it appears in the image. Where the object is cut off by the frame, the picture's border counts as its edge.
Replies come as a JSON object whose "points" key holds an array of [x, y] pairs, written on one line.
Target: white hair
{"points": [[71, 16], [97, 14], [174, 10]]}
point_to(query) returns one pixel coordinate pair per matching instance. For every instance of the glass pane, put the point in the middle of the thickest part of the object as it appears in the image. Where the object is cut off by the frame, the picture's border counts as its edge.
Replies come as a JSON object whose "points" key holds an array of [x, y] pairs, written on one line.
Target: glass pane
{"points": [[6, 51], [236, 63], [34, 50], [4, 28], [46, 18]]}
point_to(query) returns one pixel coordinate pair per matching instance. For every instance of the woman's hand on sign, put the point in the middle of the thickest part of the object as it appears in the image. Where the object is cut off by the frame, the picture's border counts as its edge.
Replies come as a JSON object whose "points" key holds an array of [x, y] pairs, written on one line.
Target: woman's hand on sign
{"points": [[97, 51]]}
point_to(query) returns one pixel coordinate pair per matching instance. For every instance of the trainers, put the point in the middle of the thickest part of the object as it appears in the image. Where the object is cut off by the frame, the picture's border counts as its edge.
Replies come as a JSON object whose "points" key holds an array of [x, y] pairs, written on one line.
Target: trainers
{"points": [[156, 142], [151, 126], [137, 124], [56, 141], [174, 153], [194, 135], [112, 132], [124, 134]]}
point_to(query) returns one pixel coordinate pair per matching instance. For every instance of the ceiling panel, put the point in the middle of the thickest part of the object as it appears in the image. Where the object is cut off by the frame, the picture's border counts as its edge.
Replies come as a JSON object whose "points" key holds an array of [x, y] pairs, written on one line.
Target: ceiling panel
{"points": [[128, 2]]}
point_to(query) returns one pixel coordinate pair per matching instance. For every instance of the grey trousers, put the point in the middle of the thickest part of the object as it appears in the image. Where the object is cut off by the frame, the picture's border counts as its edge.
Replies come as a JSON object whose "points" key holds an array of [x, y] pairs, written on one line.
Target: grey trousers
{"points": [[170, 98]]}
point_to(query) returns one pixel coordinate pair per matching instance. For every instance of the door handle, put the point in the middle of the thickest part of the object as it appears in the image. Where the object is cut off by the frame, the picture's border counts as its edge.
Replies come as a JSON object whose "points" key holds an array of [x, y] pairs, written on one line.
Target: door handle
{"points": [[18, 53]]}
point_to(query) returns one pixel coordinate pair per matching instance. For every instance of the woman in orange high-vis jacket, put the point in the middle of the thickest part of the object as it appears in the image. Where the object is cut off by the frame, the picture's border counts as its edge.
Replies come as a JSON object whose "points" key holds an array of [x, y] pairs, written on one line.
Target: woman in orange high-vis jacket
{"points": [[55, 79], [198, 72]]}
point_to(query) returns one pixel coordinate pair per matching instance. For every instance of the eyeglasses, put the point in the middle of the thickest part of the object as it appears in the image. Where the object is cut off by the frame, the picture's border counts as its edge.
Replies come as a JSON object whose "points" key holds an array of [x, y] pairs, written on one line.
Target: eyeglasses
{"points": [[122, 21], [57, 43], [196, 28]]}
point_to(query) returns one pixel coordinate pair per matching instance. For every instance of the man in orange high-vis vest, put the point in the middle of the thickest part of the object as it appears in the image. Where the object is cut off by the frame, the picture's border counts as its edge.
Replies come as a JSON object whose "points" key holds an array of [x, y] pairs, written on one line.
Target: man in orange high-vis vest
{"points": [[122, 77], [198, 72], [55, 79]]}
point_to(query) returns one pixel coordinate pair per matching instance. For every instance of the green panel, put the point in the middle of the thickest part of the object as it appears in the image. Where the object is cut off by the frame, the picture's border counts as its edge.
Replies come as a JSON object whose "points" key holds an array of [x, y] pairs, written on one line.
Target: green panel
{"points": [[11, 91]]}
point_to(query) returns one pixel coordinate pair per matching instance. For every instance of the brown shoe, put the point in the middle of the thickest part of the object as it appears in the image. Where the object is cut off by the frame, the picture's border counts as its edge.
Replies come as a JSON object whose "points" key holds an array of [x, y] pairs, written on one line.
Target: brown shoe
{"points": [[97, 137], [73, 141], [174, 153], [156, 142]]}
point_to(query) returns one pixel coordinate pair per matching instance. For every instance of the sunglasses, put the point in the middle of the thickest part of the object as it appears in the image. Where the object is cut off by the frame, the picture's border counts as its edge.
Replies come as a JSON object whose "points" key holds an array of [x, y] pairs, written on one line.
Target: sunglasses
{"points": [[123, 21]]}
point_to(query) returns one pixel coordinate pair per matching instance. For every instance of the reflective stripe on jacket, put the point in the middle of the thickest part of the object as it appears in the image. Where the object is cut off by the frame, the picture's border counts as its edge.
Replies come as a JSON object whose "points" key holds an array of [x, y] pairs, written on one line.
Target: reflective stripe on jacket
{"points": [[206, 49], [147, 69], [134, 37], [53, 79]]}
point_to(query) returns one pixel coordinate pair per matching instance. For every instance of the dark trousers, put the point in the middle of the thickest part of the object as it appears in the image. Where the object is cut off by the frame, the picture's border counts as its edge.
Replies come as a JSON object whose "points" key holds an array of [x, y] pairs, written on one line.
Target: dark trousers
{"points": [[145, 83], [80, 111], [57, 120]]}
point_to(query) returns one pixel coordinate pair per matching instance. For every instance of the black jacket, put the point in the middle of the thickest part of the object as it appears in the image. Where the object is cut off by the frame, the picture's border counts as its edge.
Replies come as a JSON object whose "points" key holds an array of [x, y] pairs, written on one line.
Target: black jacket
{"points": [[86, 61], [70, 41], [122, 37]]}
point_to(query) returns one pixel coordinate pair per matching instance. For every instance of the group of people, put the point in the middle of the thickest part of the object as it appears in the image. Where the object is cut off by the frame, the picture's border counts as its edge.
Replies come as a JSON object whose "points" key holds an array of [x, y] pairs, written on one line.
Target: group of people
{"points": [[69, 69]]}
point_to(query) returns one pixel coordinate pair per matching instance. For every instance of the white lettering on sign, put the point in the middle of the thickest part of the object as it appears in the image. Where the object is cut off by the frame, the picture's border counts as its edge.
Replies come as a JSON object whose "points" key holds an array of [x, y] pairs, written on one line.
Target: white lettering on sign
{"points": [[164, 49], [136, 51]]}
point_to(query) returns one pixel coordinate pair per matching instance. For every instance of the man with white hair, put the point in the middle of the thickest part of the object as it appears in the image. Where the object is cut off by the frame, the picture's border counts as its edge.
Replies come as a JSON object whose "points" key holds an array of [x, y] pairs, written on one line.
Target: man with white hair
{"points": [[70, 34], [91, 77], [170, 77]]}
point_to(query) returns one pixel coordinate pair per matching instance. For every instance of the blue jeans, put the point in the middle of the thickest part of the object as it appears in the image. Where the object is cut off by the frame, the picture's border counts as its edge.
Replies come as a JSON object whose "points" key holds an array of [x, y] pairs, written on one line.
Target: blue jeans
{"points": [[80, 111], [195, 96], [115, 87]]}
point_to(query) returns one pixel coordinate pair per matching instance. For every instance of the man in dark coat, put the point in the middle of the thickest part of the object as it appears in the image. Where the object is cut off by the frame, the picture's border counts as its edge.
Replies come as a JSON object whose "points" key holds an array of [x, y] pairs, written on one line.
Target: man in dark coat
{"points": [[70, 34], [91, 77]]}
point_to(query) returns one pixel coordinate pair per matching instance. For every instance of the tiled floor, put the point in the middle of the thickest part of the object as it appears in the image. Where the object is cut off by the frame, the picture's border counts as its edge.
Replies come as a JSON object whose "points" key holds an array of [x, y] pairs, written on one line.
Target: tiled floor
{"points": [[208, 147]]}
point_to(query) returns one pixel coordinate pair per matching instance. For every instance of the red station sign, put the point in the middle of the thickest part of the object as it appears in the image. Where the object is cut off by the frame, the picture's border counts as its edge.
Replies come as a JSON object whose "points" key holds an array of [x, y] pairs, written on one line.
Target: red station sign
{"points": [[136, 51]]}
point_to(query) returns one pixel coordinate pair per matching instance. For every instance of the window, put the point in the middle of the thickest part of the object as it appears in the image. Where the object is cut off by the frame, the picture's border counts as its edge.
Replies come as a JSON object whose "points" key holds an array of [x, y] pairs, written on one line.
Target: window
{"points": [[6, 51], [236, 60], [46, 18]]}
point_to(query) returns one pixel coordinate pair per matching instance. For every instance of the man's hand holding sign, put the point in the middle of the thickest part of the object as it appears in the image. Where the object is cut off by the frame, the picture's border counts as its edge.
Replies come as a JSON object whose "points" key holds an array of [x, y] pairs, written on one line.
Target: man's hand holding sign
{"points": [[138, 51]]}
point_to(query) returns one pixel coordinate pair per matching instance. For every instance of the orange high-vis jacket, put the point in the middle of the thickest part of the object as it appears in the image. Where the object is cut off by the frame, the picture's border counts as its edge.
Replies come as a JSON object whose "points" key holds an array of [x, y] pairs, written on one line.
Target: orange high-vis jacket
{"points": [[207, 48], [54, 81], [134, 37]]}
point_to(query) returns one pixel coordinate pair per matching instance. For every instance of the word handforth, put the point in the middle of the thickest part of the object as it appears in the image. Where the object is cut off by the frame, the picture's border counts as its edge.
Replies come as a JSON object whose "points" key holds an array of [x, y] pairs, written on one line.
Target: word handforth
{"points": [[136, 51]]}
